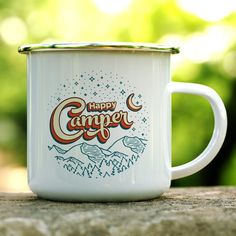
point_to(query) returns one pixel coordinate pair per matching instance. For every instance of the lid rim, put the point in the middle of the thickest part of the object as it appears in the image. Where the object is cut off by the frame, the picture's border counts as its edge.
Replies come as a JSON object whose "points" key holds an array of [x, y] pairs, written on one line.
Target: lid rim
{"points": [[103, 46]]}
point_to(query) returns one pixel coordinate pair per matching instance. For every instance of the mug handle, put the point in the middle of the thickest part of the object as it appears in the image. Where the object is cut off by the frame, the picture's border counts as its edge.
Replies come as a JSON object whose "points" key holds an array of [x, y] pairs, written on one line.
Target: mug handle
{"points": [[219, 132]]}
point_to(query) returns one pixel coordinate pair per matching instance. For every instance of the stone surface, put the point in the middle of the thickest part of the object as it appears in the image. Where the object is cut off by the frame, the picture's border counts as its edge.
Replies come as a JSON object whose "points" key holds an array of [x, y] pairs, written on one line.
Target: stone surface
{"points": [[181, 211]]}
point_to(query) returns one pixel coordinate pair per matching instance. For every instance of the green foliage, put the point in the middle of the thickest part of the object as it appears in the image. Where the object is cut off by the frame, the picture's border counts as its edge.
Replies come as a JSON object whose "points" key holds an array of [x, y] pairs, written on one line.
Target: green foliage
{"points": [[162, 21]]}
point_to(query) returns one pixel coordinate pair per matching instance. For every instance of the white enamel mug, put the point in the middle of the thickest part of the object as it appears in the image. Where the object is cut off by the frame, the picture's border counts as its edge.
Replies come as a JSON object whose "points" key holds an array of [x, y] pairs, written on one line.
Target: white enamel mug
{"points": [[99, 121]]}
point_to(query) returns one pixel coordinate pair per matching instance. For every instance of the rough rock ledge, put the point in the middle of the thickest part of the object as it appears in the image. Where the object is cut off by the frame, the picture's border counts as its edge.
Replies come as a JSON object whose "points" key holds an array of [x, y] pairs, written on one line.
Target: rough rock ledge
{"points": [[181, 211]]}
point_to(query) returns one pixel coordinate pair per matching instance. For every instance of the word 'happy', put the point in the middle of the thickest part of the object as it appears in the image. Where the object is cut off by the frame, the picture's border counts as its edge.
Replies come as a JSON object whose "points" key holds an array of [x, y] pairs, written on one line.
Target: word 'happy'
{"points": [[103, 106]]}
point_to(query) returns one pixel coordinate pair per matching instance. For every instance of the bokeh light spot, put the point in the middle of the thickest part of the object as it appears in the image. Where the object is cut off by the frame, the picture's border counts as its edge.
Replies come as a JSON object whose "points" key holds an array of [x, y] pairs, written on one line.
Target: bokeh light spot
{"points": [[13, 30], [209, 45], [13, 179], [229, 64], [209, 10]]}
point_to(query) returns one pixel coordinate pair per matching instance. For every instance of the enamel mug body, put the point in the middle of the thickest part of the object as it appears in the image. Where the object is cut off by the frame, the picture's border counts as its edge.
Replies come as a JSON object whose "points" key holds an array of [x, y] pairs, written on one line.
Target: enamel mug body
{"points": [[99, 121]]}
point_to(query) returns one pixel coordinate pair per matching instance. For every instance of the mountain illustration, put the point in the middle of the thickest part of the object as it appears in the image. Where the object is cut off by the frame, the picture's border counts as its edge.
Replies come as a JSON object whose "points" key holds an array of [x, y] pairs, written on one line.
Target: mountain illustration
{"points": [[93, 161]]}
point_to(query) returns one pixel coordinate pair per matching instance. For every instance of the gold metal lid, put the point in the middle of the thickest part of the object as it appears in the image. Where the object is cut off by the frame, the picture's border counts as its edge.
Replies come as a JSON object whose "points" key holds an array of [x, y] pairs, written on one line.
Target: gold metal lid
{"points": [[98, 46]]}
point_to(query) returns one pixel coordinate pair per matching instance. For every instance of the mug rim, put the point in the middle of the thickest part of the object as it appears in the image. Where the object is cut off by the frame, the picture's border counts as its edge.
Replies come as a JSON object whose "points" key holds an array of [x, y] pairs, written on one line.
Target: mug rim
{"points": [[98, 46]]}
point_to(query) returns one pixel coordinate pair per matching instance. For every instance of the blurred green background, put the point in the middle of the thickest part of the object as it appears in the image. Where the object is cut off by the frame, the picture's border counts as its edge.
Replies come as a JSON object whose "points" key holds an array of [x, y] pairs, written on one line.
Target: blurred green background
{"points": [[205, 30]]}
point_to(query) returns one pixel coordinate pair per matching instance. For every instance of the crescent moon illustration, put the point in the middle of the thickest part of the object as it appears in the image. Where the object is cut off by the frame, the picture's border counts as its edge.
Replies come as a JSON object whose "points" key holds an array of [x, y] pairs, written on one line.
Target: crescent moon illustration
{"points": [[131, 105]]}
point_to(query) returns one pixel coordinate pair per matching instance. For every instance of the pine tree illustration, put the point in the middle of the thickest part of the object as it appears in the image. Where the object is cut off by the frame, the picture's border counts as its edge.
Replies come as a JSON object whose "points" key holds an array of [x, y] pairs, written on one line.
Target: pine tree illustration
{"points": [[123, 168], [115, 162], [133, 158], [123, 163], [90, 167], [115, 169], [68, 167], [106, 175], [96, 173], [130, 163], [86, 173], [101, 163], [106, 166], [108, 162], [78, 166], [79, 170]]}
